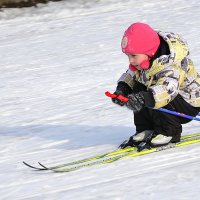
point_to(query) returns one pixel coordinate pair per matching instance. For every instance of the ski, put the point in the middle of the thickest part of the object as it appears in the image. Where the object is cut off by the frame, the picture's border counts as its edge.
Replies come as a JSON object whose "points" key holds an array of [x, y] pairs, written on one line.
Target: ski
{"points": [[92, 158], [108, 157], [187, 141]]}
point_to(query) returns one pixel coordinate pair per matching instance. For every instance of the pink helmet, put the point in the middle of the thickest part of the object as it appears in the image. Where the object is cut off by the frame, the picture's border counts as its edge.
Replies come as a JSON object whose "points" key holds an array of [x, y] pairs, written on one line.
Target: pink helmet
{"points": [[140, 38]]}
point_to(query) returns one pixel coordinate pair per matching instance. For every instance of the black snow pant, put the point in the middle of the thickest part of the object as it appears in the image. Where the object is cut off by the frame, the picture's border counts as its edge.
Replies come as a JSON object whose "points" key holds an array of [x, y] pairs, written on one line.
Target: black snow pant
{"points": [[164, 123]]}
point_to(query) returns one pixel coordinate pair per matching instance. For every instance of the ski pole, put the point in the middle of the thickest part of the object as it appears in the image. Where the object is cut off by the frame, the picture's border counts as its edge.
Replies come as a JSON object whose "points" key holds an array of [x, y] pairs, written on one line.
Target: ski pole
{"points": [[177, 113], [124, 99]]}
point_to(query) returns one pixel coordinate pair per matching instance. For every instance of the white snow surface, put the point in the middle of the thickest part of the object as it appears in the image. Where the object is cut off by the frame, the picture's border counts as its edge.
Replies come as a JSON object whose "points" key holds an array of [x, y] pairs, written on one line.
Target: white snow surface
{"points": [[57, 61]]}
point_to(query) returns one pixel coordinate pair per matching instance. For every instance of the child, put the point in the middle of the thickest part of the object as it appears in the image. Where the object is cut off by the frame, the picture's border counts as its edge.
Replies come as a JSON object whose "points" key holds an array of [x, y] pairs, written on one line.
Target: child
{"points": [[160, 74]]}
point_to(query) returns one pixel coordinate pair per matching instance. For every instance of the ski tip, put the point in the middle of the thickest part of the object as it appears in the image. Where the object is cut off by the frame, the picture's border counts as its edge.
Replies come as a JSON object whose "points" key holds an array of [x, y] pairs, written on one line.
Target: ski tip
{"points": [[33, 167], [44, 167]]}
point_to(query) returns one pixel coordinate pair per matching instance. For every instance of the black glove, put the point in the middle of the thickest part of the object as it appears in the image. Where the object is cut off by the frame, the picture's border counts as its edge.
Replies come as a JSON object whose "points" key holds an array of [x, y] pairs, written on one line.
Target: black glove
{"points": [[122, 89], [117, 101], [135, 102]]}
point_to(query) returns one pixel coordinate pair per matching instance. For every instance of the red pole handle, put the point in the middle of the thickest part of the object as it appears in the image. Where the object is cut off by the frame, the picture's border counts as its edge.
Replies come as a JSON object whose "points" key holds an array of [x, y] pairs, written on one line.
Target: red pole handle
{"points": [[120, 97]]}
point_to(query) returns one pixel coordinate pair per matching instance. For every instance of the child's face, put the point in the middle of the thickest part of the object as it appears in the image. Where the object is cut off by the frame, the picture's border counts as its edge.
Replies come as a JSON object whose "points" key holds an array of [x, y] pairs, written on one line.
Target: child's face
{"points": [[136, 59]]}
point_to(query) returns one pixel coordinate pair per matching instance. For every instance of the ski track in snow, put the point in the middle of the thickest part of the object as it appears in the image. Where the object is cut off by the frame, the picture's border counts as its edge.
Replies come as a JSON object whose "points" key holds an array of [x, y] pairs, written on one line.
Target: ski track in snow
{"points": [[56, 64]]}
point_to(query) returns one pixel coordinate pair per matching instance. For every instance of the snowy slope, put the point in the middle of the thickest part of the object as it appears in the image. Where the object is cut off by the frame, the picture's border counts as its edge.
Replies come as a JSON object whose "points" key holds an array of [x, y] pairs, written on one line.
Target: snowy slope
{"points": [[56, 64]]}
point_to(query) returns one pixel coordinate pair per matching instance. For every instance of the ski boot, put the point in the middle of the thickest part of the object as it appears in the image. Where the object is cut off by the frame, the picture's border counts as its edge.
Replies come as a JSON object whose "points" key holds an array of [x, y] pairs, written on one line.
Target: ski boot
{"points": [[138, 140], [163, 140]]}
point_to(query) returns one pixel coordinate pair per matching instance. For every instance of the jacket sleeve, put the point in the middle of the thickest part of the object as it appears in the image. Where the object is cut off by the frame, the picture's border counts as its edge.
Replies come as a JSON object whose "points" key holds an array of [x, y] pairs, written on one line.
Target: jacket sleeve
{"points": [[166, 87], [129, 78]]}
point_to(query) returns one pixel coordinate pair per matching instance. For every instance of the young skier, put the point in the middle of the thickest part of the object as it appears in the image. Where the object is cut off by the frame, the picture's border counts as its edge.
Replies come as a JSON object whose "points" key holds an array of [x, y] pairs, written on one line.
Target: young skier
{"points": [[160, 74]]}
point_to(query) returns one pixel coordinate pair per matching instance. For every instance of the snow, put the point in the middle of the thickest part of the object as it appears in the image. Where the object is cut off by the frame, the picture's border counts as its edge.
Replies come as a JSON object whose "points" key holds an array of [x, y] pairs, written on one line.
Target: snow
{"points": [[56, 63]]}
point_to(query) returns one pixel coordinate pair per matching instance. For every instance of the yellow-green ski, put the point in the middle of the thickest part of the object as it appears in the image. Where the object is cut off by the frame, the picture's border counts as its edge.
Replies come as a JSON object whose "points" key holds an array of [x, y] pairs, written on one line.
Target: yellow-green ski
{"points": [[107, 157], [185, 140]]}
